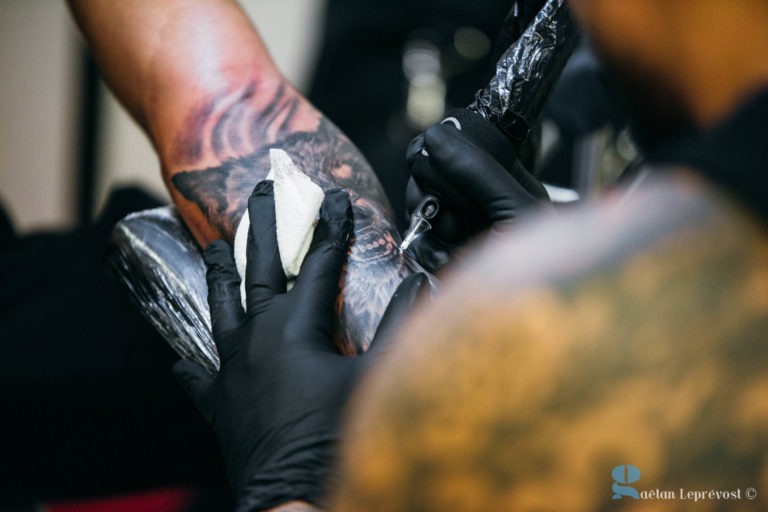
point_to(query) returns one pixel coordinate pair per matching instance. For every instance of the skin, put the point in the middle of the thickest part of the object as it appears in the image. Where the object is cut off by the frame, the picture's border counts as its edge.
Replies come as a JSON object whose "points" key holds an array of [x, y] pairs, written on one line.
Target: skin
{"points": [[645, 348], [200, 82]]}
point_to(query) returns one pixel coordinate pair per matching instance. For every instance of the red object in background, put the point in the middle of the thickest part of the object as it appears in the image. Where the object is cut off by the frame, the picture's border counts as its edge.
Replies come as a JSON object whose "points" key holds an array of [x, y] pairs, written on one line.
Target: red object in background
{"points": [[163, 500]]}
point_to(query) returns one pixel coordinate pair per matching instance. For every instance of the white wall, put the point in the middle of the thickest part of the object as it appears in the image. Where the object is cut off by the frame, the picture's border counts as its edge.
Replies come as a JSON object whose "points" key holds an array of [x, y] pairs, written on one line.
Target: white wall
{"points": [[38, 68], [38, 110]]}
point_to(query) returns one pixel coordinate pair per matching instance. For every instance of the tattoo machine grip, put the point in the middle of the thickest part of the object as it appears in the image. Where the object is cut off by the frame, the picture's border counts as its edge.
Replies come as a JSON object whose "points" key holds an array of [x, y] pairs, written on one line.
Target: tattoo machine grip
{"points": [[514, 97]]}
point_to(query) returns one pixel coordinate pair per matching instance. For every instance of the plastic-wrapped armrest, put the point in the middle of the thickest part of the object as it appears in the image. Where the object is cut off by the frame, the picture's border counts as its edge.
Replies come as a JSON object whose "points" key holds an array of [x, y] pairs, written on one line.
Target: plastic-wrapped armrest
{"points": [[155, 257]]}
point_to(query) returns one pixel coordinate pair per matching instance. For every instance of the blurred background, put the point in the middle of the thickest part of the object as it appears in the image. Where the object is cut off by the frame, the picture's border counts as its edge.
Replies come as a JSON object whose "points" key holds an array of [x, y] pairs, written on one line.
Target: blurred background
{"points": [[64, 140]]}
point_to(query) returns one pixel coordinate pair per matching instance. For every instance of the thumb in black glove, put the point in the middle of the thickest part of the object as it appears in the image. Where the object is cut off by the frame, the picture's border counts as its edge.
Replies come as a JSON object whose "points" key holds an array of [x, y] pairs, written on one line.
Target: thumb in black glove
{"points": [[475, 174], [277, 400]]}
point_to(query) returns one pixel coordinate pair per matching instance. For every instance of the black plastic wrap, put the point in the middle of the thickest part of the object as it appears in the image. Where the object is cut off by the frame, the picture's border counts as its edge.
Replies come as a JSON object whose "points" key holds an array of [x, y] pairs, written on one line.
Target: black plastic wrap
{"points": [[527, 71], [155, 257]]}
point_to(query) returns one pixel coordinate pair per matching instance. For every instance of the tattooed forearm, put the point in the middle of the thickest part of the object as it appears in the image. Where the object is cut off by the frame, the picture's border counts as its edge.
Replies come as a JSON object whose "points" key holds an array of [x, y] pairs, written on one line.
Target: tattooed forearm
{"points": [[235, 133]]}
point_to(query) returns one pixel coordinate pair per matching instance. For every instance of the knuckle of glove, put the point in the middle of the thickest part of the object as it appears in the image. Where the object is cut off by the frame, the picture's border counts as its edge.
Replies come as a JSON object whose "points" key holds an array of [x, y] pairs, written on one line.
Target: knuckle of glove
{"points": [[218, 254], [414, 149], [336, 218]]}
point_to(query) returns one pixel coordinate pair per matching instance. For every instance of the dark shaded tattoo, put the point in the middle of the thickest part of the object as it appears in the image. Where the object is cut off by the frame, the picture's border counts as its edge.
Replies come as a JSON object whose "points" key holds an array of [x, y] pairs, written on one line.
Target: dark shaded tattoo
{"points": [[240, 137]]}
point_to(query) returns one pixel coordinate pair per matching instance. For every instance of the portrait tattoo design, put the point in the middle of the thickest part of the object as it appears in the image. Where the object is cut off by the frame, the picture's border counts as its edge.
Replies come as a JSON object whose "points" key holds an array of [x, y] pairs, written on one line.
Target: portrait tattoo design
{"points": [[238, 133]]}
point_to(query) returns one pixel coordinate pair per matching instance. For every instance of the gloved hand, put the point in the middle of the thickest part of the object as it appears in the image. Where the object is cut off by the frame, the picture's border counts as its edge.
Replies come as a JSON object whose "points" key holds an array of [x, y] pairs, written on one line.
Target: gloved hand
{"points": [[276, 403], [475, 174]]}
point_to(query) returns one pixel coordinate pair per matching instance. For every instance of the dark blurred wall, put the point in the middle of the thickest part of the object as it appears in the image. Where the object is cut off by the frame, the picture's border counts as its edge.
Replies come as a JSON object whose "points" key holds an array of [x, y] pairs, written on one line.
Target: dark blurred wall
{"points": [[377, 58]]}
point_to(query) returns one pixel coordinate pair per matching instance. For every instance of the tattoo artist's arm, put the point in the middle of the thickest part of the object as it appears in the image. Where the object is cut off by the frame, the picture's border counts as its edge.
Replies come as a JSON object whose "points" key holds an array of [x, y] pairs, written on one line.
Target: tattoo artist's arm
{"points": [[198, 79]]}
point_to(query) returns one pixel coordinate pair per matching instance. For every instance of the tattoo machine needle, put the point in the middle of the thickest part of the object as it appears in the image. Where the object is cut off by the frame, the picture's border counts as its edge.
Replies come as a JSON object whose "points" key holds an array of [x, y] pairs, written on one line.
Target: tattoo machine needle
{"points": [[424, 212], [513, 99]]}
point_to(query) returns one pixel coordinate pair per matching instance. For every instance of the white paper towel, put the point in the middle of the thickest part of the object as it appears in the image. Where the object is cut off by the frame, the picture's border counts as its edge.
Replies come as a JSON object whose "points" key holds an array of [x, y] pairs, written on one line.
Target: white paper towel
{"points": [[297, 207]]}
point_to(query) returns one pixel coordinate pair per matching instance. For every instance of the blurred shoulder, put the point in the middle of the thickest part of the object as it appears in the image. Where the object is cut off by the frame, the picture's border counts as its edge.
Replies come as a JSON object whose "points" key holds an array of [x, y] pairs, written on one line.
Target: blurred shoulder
{"points": [[605, 336]]}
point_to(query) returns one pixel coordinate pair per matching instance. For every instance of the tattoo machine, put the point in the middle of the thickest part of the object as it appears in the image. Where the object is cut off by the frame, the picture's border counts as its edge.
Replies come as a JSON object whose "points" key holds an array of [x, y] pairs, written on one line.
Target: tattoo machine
{"points": [[513, 99]]}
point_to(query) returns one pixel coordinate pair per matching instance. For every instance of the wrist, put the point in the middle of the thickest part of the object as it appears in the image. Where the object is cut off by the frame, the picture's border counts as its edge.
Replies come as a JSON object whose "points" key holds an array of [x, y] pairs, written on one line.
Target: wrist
{"points": [[268, 494], [295, 506], [302, 474]]}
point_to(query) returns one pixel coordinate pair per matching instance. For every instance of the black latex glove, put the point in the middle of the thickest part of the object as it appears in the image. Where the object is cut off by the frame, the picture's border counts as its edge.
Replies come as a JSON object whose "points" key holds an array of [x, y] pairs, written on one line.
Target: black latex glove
{"points": [[476, 176], [277, 400]]}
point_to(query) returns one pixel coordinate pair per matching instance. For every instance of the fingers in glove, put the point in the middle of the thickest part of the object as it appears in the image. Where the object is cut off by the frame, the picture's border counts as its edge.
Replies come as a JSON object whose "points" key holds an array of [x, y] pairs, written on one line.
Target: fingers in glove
{"points": [[223, 289], [426, 172], [474, 171], [528, 182], [465, 165], [264, 276], [197, 383], [415, 148], [317, 285], [398, 309]]}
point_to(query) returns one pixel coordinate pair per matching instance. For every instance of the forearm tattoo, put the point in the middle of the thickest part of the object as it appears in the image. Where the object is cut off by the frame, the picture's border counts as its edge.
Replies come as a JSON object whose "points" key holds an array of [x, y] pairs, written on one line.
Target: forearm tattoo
{"points": [[239, 135]]}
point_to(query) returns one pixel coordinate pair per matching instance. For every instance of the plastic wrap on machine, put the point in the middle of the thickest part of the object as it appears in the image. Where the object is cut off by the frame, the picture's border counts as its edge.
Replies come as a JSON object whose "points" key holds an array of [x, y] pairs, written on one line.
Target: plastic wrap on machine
{"points": [[526, 72]]}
